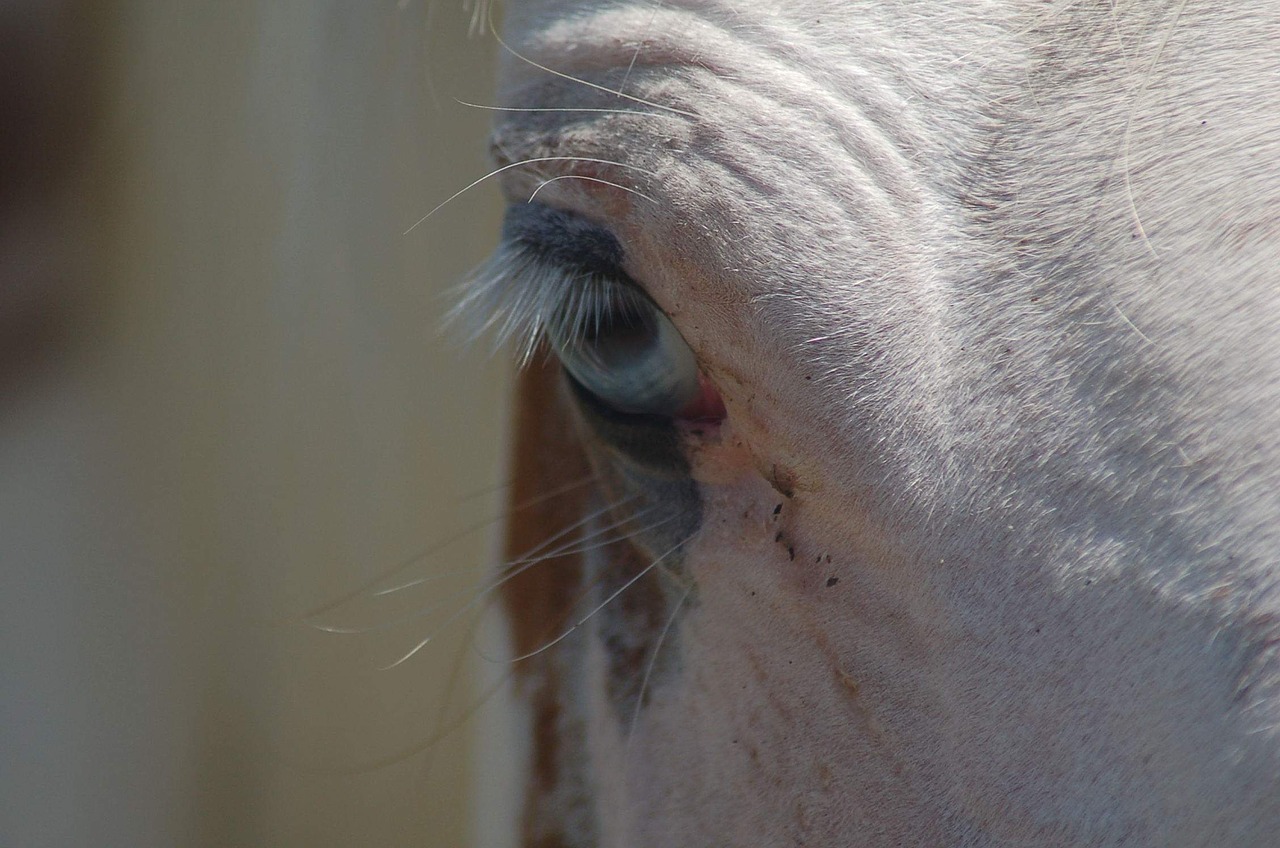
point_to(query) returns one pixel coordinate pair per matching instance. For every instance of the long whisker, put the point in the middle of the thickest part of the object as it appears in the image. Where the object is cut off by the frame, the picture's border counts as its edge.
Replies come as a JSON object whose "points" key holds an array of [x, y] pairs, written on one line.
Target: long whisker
{"points": [[443, 728], [480, 596], [481, 12], [506, 571], [546, 183], [451, 687], [521, 163], [648, 672], [590, 543], [585, 592], [673, 110], [594, 110], [485, 490], [636, 55], [529, 503], [613, 596], [534, 551], [570, 547]]}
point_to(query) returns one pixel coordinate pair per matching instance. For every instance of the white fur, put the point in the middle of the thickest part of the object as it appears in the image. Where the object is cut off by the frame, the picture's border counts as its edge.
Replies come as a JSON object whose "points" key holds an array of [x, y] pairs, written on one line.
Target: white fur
{"points": [[994, 283]]}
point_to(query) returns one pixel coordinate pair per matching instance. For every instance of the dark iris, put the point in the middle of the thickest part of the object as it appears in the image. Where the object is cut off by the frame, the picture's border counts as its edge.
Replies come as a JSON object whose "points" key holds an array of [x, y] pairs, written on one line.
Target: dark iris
{"points": [[612, 339], [628, 354]]}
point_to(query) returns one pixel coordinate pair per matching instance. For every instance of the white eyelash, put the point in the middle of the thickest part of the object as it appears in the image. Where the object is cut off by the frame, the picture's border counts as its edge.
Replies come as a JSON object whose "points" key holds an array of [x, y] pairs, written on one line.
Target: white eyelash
{"points": [[519, 298]]}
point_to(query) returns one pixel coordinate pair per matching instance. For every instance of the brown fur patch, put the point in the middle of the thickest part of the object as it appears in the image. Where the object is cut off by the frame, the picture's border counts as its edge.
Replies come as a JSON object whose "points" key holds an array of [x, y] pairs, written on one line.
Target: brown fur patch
{"points": [[539, 603]]}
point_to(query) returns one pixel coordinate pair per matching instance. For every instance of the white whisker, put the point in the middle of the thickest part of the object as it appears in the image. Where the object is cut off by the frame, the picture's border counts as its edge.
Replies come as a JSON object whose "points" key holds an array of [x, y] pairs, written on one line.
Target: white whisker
{"points": [[440, 546], [648, 672], [613, 596], [508, 570], [616, 93], [488, 590], [521, 163], [636, 55], [546, 183], [598, 111], [535, 550]]}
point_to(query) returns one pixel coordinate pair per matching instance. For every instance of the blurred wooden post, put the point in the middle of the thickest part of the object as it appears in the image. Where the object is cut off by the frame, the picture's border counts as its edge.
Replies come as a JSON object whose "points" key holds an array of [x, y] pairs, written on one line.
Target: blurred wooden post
{"points": [[238, 408]]}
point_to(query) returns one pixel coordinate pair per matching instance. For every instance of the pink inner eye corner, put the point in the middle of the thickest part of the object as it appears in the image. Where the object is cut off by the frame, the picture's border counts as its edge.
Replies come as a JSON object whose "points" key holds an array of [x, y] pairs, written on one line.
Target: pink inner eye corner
{"points": [[706, 408]]}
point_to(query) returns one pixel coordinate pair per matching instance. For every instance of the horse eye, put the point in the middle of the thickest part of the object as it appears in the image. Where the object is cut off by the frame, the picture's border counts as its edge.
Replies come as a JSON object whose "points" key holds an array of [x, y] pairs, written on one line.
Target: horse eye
{"points": [[628, 354]]}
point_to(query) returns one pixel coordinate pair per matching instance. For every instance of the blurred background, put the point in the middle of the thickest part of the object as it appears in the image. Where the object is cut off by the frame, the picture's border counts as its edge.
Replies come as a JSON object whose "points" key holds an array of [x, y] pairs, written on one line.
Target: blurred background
{"points": [[226, 408]]}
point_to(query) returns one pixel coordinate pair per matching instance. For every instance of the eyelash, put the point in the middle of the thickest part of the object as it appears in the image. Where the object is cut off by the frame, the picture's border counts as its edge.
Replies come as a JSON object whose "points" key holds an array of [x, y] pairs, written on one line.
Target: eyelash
{"points": [[520, 299]]}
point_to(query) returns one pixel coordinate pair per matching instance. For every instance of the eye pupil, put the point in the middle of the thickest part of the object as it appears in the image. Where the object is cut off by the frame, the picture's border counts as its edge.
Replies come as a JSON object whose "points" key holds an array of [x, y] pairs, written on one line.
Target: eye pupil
{"points": [[618, 338]]}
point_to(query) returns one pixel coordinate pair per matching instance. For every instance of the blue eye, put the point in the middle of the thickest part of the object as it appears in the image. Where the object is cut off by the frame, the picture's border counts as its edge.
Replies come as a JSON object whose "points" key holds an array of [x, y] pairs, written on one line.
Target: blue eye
{"points": [[621, 348]]}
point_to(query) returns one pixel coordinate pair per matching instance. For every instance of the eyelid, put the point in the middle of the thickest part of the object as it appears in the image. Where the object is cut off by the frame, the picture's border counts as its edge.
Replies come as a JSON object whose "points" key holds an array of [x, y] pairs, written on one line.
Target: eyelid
{"points": [[563, 239], [551, 269]]}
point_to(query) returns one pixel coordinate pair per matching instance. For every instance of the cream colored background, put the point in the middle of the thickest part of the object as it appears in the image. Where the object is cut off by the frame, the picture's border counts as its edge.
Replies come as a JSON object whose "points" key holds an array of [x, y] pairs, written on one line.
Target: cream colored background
{"points": [[256, 415]]}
